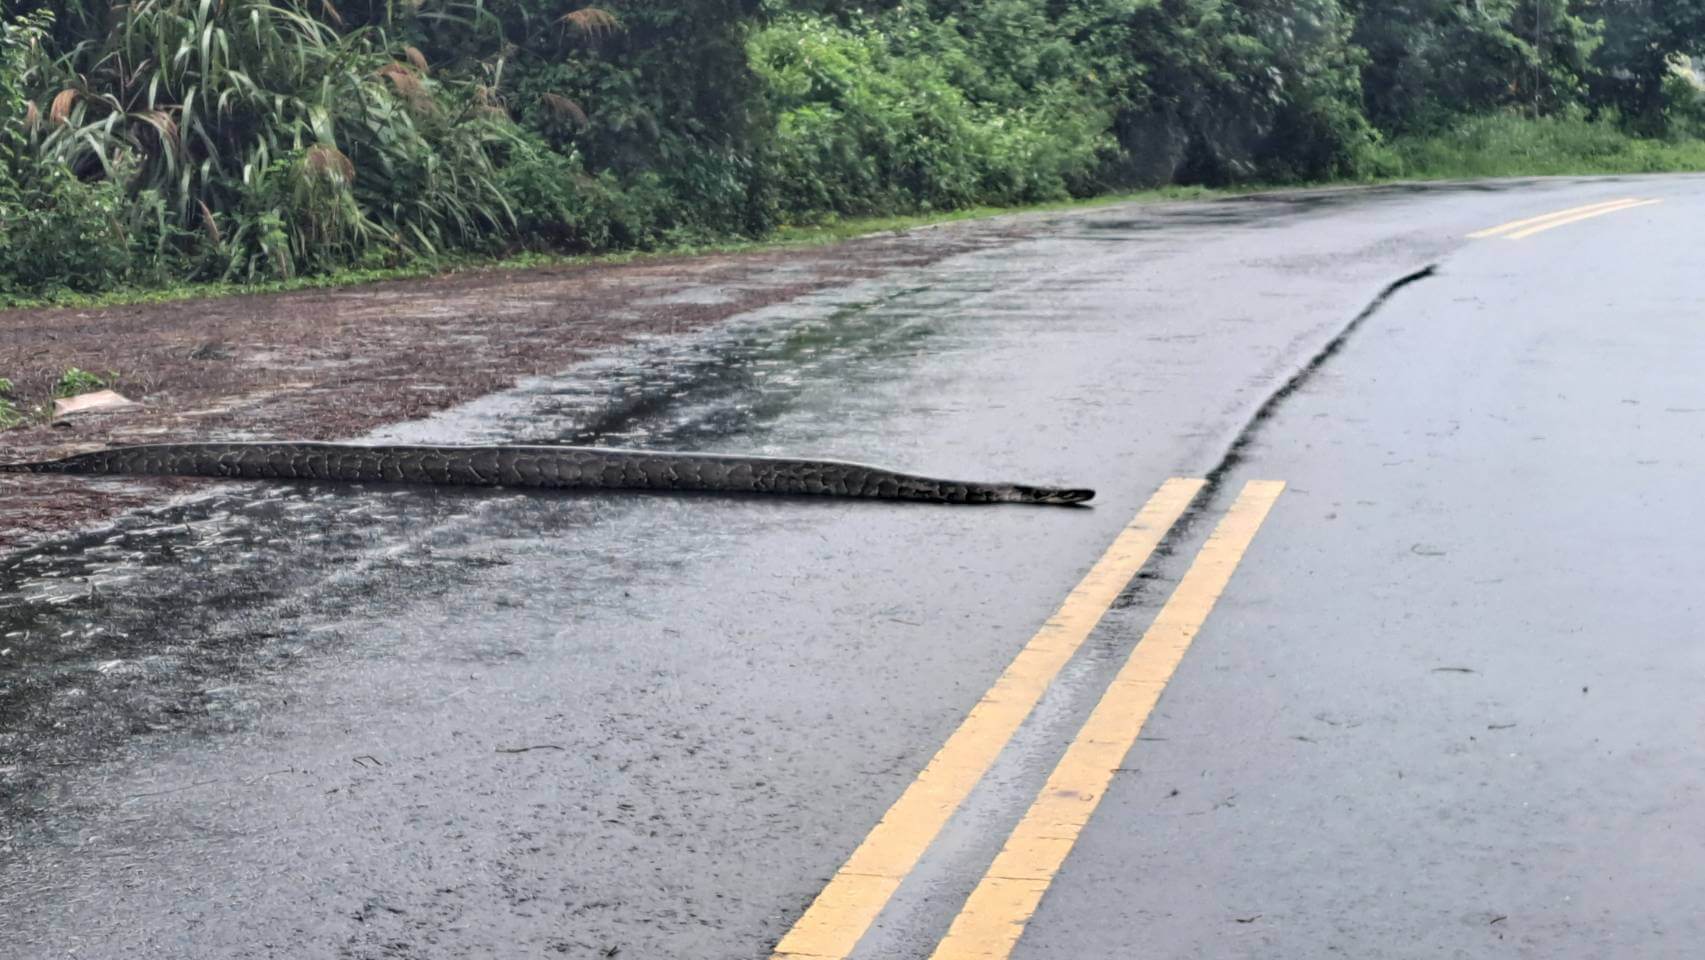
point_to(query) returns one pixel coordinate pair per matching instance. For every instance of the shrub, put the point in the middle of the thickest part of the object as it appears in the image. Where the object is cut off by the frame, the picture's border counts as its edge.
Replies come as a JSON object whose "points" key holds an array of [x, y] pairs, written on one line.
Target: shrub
{"points": [[75, 381], [10, 415], [60, 233], [247, 118], [870, 117]]}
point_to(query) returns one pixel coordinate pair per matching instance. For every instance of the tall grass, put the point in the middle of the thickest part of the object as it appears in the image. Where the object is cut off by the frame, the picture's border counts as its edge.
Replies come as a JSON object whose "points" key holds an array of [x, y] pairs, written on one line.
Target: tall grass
{"points": [[275, 143], [1507, 145]]}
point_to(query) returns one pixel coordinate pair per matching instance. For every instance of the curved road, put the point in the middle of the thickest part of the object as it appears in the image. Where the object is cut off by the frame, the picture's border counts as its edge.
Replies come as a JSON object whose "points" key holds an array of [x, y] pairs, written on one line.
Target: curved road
{"points": [[1380, 639]]}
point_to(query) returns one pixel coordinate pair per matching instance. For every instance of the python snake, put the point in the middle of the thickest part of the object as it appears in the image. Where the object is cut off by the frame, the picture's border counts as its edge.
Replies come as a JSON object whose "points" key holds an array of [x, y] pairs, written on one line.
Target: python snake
{"points": [[568, 468]]}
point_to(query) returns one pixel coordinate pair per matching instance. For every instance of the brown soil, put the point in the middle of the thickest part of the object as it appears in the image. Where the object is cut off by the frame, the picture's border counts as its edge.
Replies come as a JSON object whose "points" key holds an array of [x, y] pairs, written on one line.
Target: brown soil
{"points": [[335, 364]]}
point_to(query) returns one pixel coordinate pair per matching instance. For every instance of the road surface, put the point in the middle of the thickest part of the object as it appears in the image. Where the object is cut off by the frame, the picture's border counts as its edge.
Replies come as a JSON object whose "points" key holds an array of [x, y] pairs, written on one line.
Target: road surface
{"points": [[1380, 639]]}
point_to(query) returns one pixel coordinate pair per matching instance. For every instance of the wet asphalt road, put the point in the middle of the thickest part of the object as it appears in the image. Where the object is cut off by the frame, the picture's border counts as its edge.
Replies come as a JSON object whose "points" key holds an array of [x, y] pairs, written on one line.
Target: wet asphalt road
{"points": [[1445, 706]]}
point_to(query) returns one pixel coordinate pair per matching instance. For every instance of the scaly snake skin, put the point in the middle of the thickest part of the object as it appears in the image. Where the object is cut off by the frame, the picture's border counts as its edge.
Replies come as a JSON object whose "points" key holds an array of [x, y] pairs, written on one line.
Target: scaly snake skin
{"points": [[565, 468]]}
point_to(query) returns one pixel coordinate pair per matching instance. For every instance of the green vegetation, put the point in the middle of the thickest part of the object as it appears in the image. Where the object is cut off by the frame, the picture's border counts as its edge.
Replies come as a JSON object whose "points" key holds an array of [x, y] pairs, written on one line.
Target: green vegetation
{"points": [[826, 230], [10, 415], [900, 115], [71, 383], [1504, 145], [74, 381], [154, 144]]}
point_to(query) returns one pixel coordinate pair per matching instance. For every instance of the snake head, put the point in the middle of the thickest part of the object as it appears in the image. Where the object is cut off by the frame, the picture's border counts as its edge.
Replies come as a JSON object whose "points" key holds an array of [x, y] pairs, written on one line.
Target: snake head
{"points": [[1052, 495]]}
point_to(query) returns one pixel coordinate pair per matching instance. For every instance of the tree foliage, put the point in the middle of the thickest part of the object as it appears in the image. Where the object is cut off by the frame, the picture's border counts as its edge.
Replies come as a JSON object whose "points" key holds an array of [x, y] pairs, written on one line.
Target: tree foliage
{"points": [[148, 140], [1642, 40], [1431, 60]]}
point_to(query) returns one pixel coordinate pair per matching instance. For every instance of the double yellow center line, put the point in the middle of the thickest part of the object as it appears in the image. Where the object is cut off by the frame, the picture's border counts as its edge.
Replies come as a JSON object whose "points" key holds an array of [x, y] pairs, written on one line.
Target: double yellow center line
{"points": [[995, 914], [1521, 229]]}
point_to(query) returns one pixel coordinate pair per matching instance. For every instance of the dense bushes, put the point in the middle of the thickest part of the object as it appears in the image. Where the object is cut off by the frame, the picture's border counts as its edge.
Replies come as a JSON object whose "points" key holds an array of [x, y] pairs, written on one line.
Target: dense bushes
{"points": [[55, 229], [870, 118], [152, 141], [280, 143]]}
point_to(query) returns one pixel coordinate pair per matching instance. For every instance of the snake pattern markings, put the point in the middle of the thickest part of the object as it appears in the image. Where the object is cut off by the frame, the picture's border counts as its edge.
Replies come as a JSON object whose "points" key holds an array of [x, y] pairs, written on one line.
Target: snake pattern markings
{"points": [[550, 467]]}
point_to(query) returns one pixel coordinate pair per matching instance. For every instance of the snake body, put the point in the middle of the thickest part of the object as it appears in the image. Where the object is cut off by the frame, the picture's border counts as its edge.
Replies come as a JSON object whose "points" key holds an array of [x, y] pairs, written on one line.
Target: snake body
{"points": [[569, 468]]}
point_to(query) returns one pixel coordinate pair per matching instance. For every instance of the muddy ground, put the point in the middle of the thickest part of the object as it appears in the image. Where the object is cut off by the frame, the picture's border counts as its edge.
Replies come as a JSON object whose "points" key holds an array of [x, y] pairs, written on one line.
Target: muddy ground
{"points": [[334, 364]]}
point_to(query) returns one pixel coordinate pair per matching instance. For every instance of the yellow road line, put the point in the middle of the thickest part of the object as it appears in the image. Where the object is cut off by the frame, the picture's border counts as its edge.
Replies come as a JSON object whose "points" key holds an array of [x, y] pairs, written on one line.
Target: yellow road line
{"points": [[995, 914], [841, 914], [1529, 221], [1530, 231], [1544, 220]]}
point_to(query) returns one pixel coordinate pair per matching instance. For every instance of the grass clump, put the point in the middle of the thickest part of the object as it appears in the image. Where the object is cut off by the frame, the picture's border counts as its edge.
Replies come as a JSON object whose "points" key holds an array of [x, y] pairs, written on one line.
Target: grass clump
{"points": [[10, 415], [75, 381]]}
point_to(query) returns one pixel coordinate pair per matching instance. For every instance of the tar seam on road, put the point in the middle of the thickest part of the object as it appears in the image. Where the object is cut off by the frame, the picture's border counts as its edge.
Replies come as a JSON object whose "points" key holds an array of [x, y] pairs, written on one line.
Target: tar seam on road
{"points": [[994, 916], [838, 918], [1246, 435]]}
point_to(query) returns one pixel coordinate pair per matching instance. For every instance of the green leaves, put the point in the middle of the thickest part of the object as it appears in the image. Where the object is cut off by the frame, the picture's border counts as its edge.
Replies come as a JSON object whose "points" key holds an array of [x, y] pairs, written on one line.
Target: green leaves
{"points": [[75, 381], [902, 112], [257, 139], [193, 98]]}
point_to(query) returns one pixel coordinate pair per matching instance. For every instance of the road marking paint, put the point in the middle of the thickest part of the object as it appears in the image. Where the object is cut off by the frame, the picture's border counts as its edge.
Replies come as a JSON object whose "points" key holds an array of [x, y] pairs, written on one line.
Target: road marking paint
{"points": [[1545, 220], [832, 926], [1530, 231], [995, 914], [1529, 221]]}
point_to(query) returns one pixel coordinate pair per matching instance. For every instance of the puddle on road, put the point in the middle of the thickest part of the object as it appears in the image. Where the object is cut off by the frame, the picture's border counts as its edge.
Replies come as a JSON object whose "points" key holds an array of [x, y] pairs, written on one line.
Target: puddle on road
{"points": [[705, 392]]}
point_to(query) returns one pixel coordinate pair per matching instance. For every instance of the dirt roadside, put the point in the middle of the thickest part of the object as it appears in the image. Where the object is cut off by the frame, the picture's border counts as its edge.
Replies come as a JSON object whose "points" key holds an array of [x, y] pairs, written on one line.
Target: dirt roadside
{"points": [[333, 364]]}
